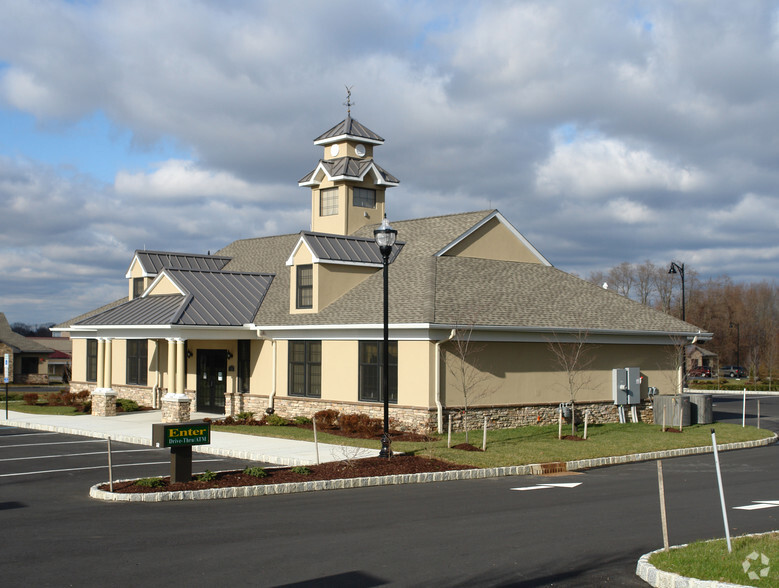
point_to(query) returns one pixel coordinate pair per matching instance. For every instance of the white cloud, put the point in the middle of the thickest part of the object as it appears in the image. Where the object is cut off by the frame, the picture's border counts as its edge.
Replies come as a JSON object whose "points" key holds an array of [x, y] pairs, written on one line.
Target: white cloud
{"points": [[597, 167]]}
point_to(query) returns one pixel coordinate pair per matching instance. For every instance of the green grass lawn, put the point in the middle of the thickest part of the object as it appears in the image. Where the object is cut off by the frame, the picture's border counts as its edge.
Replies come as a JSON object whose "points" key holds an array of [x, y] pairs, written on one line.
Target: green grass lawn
{"points": [[535, 444], [710, 560], [21, 406]]}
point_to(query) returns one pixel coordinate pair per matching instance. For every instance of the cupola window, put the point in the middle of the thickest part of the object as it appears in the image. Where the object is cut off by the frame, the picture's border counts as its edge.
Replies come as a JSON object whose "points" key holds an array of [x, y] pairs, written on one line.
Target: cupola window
{"points": [[364, 198], [328, 202]]}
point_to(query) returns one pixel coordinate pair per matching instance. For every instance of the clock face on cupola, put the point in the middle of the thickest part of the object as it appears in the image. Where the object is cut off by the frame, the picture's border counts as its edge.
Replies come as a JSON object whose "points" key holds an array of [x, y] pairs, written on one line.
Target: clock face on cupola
{"points": [[347, 186]]}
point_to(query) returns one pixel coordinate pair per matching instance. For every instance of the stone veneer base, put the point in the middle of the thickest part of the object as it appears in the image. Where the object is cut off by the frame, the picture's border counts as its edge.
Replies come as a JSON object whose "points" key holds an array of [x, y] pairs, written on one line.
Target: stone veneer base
{"points": [[523, 470]]}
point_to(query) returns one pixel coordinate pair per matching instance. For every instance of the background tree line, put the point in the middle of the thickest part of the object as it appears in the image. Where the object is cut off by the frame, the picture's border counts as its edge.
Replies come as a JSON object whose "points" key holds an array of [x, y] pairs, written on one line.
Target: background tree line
{"points": [[32, 330], [743, 317]]}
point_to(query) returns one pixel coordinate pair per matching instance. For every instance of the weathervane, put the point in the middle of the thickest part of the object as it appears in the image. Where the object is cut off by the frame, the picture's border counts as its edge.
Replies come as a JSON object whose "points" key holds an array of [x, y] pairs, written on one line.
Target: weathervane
{"points": [[348, 102]]}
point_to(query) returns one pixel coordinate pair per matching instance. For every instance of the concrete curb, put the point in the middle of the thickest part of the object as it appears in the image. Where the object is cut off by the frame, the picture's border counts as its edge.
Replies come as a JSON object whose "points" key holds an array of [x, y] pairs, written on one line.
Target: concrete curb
{"points": [[472, 474], [662, 579]]}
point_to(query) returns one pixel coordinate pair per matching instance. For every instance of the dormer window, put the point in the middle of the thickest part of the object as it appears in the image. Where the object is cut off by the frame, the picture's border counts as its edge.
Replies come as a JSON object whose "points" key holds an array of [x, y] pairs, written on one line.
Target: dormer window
{"points": [[364, 197], [328, 202], [305, 286], [138, 287]]}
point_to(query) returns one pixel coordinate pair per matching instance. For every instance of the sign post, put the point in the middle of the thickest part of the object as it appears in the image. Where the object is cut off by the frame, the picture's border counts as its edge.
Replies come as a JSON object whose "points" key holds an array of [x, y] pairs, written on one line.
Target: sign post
{"points": [[6, 362], [180, 437]]}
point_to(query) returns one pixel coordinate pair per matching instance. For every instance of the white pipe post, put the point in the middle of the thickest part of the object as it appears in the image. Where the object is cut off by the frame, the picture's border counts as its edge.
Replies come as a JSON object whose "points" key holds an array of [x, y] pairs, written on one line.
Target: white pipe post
{"points": [[484, 441], [661, 488], [316, 443], [586, 421], [560, 423], [449, 436], [744, 410], [758, 413], [110, 469], [721, 491]]}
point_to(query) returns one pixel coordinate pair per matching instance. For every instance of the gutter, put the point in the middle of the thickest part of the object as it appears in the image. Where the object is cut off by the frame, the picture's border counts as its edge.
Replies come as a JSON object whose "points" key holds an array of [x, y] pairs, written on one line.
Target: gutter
{"points": [[439, 406]]}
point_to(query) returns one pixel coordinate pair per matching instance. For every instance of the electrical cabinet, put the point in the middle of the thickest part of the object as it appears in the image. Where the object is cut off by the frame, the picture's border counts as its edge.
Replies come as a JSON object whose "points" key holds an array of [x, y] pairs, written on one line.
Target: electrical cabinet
{"points": [[626, 384]]}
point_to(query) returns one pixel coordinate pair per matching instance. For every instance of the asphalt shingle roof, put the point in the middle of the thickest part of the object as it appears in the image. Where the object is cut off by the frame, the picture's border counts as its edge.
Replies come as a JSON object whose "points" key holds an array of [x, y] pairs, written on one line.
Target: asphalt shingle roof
{"points": [[19, 343]]}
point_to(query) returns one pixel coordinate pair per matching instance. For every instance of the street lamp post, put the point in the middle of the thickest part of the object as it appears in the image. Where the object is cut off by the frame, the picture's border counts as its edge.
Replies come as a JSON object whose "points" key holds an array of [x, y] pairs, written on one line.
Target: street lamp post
{"points": [[385, 237], [676, 268]]}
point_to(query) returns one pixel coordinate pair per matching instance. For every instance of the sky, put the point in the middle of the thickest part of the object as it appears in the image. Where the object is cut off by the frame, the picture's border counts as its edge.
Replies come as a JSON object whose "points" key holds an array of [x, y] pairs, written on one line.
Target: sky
{"points": [[604, 131]]}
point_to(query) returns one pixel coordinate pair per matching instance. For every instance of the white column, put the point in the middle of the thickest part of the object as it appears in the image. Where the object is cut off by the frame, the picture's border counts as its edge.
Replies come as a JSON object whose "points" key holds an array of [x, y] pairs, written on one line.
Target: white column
{"points": [[171, 381], [100, 363], [107, 373], [181, 368]]}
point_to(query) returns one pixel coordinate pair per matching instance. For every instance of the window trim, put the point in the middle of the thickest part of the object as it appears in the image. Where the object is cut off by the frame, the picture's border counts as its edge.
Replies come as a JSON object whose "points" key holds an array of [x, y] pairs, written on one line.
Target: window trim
{"points": [[311, 389], [91, 357], [304, 292], [244, 366], [361, 202], [362, 394], [328, 202], [137, 354]]}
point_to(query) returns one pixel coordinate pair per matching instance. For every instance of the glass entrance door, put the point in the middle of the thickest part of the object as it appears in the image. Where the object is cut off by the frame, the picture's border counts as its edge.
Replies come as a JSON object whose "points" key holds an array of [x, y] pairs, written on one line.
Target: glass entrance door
{"points": [[211, 380]]}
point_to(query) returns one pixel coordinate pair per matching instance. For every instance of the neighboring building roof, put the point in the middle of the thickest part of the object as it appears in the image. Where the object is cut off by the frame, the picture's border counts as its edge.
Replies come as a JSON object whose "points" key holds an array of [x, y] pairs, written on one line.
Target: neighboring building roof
{"points": [[349, 128], [19, 343], [153, 262], [348, 168], [341, 249], [58, 344], [209, 298]]}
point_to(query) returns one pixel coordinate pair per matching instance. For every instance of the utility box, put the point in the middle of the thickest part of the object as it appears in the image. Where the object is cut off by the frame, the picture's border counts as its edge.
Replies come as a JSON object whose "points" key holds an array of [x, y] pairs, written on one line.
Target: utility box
{"points": [[626, 385]]}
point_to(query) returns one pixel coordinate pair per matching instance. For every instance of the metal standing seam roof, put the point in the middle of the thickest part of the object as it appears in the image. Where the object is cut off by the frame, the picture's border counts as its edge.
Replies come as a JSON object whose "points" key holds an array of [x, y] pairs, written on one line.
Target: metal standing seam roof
{"points": [[347, 249], [352, 128], [153, 262], [213, 298], [349, 167]]}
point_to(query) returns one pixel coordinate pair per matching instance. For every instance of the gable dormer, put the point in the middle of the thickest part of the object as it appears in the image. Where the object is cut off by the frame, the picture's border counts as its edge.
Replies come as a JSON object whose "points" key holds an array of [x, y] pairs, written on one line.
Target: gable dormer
{"points": [[494, 237], [348, 187], [146, 266], [323, 267]]}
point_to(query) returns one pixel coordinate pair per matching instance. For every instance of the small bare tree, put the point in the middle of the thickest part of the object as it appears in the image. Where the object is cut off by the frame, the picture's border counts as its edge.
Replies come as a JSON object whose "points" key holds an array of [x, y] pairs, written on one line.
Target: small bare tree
{"points": [[676, 357], [463, 361], [574, 359]]}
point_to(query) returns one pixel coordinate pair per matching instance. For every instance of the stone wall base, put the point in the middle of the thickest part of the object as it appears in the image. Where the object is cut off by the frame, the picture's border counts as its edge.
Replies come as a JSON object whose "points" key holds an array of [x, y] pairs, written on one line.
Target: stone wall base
{"points": [[408, 418], [42, 379], [176, 408]]}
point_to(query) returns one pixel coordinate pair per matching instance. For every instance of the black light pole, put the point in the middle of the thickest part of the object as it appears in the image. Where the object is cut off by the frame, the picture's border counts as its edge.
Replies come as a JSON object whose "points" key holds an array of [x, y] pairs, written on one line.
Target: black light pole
{"points": [[738, 342], [676, 268], [385, 238]]}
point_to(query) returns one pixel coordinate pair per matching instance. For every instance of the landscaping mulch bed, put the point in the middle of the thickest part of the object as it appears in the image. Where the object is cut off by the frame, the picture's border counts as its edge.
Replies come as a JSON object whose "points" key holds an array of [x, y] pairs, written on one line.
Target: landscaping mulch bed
{"points": [[357, 468]]}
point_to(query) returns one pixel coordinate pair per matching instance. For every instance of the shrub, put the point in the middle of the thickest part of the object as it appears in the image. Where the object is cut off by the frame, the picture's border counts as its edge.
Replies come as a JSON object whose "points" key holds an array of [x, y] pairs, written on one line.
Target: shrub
{"points": [[360, 424], [68, 399], [206, 476], [244, 416], [150, 482], [301, 420], [276, 420], [31, 398], [326, 419], [255, 471], [83, 395], [127, 405], [54, 400], [301, 470]]}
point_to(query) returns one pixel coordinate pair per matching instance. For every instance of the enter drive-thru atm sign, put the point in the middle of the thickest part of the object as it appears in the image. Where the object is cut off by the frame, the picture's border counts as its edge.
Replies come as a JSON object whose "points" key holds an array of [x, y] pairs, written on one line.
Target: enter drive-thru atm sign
{"points": [[181, 434]]}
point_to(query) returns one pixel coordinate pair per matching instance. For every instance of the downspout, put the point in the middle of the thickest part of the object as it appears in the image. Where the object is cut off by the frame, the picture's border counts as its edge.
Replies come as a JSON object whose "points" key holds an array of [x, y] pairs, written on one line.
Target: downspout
{"points": [[438, 404]]}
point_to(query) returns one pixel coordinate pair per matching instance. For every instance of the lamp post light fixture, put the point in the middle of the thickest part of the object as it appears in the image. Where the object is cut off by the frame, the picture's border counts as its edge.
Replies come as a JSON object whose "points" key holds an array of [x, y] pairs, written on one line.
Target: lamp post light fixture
{"points": [[676, 268], [385, 237]]}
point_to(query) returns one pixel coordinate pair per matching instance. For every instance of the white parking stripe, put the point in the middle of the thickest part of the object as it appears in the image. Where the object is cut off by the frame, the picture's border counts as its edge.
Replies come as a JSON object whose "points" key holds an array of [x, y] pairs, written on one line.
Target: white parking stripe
{"points": [[102, 467], [58, 443], [75, 454]]}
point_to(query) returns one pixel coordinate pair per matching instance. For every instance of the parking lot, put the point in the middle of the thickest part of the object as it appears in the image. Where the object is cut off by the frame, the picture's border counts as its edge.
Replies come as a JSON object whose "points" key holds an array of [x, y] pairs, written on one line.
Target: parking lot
{"points": [[35, 463]]}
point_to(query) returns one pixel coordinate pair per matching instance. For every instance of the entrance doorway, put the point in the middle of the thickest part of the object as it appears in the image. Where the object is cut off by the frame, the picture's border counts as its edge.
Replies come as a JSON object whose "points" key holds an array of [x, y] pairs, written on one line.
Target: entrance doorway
{"points": [[211, 380]]}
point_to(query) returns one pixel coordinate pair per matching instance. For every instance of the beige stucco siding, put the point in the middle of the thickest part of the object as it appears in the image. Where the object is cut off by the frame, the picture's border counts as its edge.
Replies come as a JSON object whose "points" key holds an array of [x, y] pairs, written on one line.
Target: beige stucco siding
{"points": [[78, 368], [164, 286], [416, 373], [526, 373], [493, 241]]}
